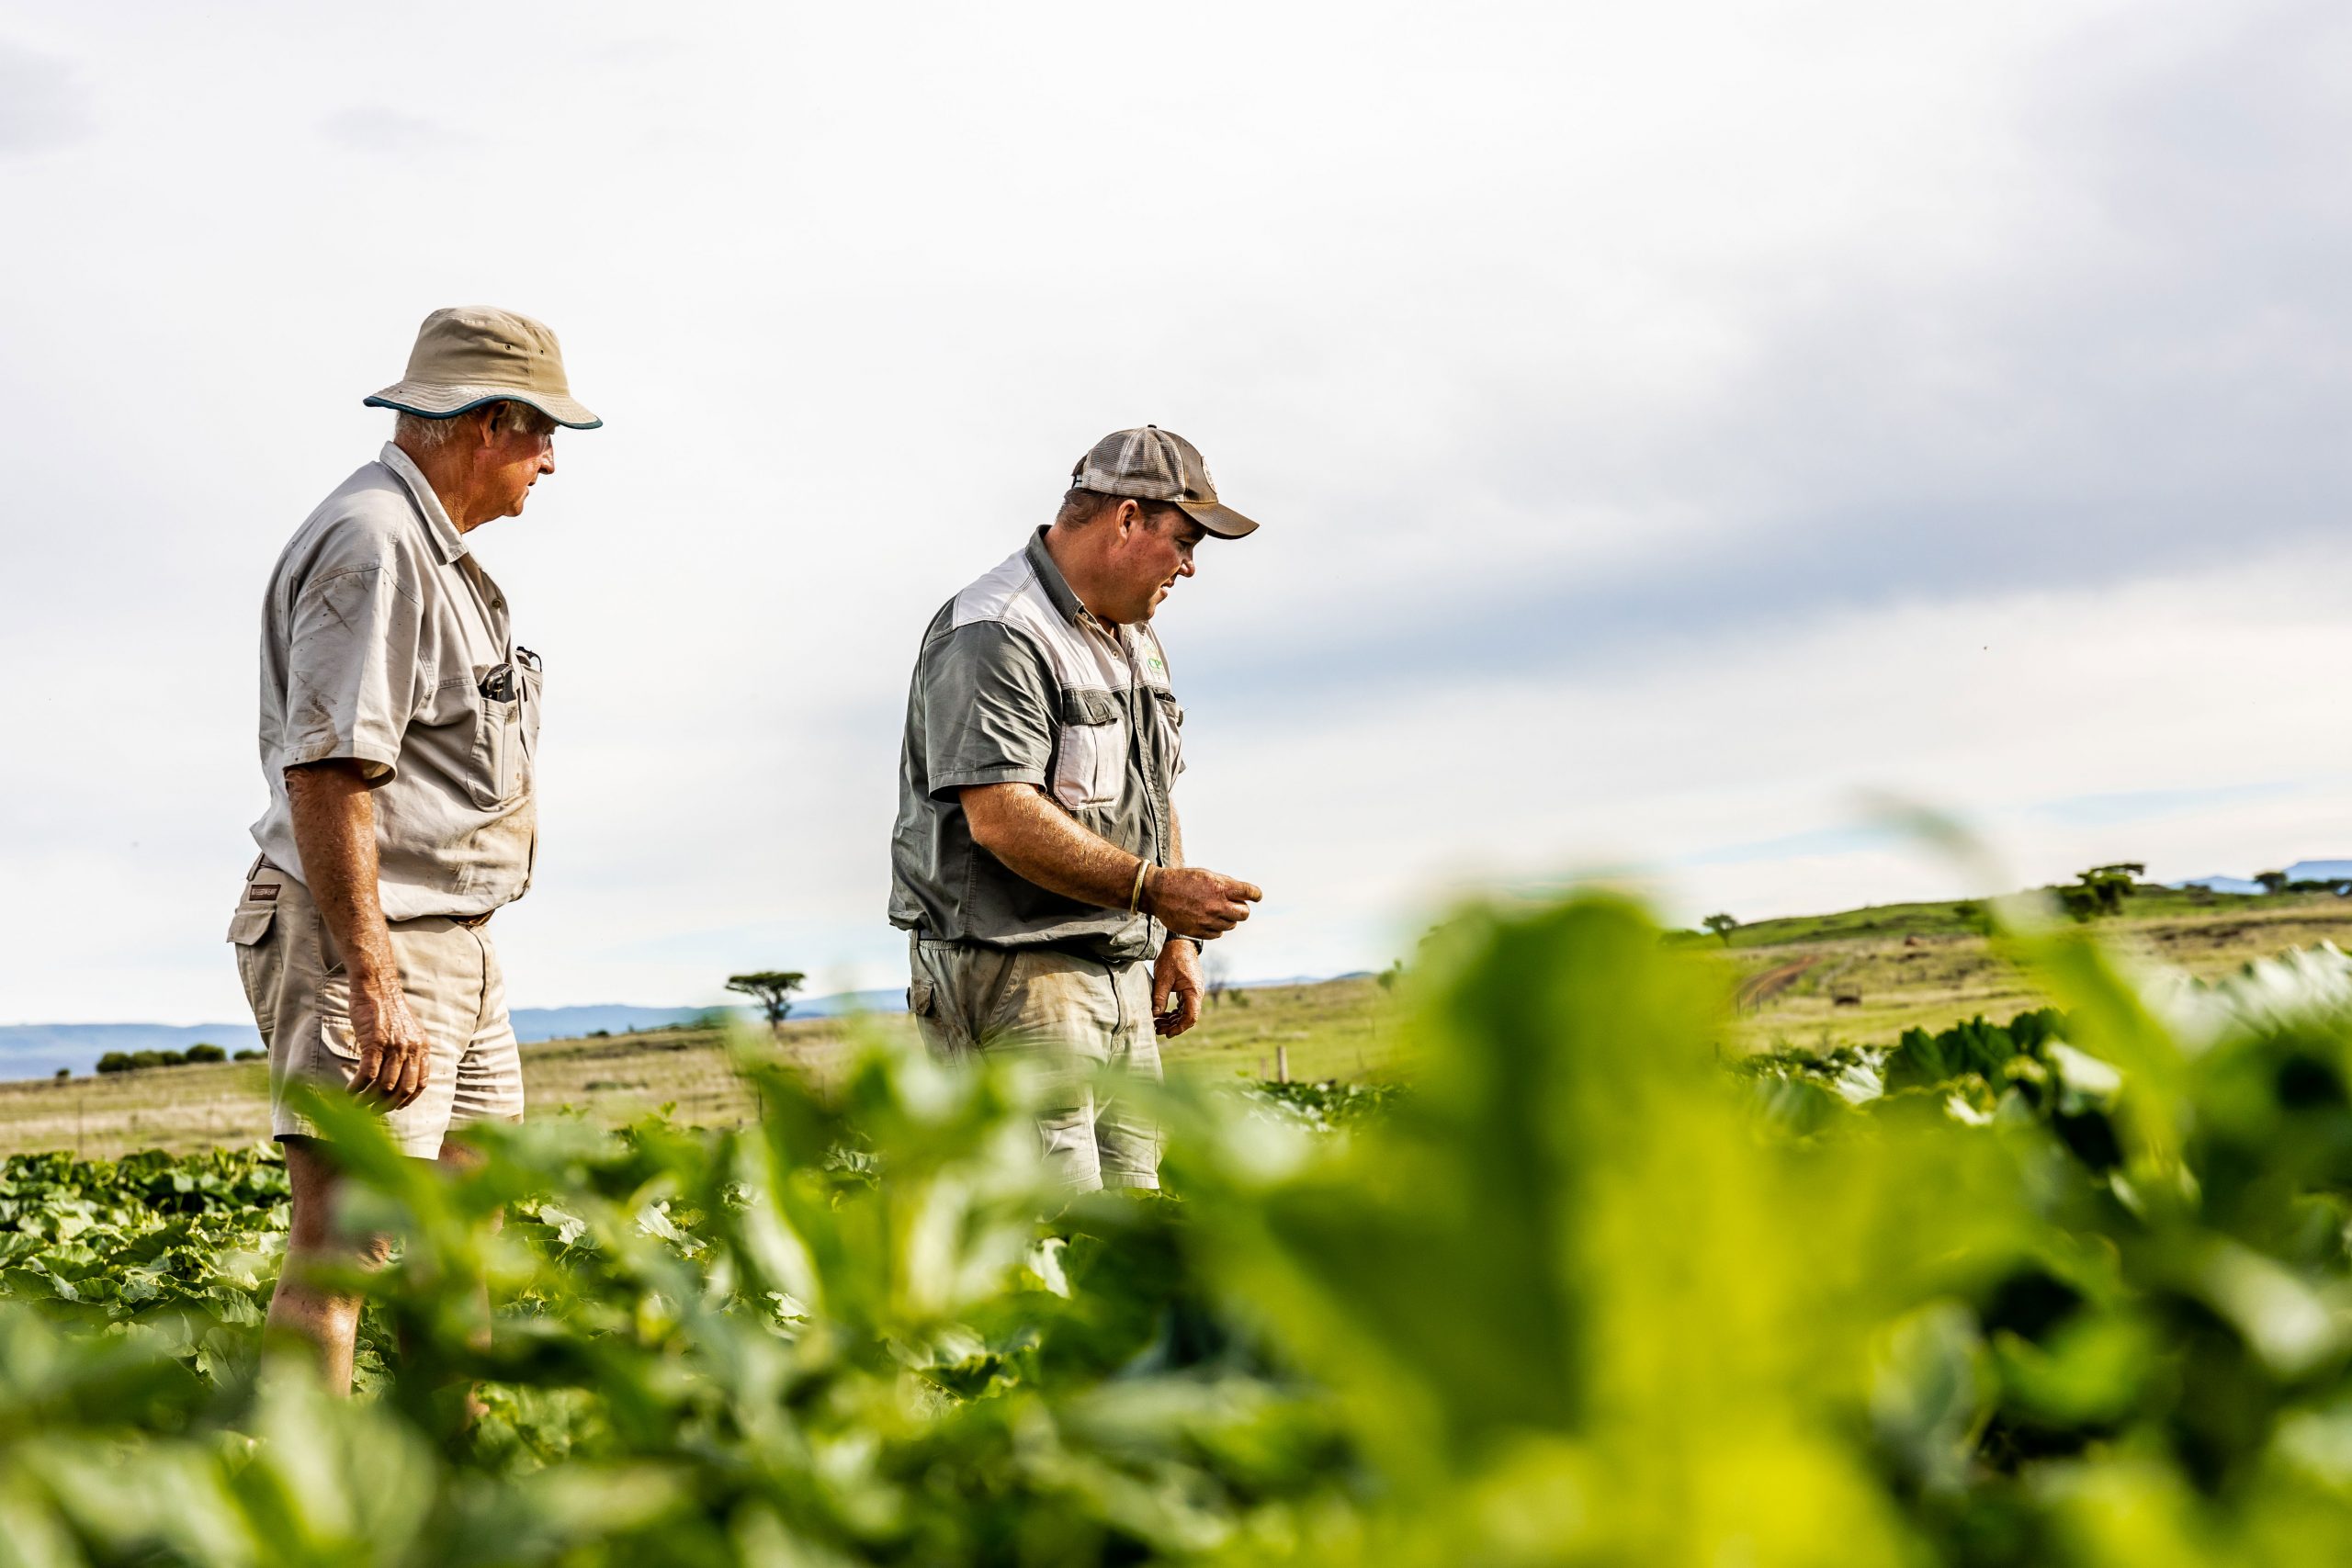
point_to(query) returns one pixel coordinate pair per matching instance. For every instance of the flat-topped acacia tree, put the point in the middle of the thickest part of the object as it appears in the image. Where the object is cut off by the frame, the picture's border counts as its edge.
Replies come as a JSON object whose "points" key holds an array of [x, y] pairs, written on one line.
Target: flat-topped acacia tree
{"points": [[772, 988]]}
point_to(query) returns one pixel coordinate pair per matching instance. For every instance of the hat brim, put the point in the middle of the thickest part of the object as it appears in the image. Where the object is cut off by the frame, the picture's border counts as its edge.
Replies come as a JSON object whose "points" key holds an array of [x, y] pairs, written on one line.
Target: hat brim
{"points": [[1222, 521], [439, 399]]}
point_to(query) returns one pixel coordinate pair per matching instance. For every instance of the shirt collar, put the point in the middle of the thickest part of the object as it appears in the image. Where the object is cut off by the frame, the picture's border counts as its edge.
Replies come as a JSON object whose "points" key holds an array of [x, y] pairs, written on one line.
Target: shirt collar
{"points": [[1056, 586], [428, 505]]}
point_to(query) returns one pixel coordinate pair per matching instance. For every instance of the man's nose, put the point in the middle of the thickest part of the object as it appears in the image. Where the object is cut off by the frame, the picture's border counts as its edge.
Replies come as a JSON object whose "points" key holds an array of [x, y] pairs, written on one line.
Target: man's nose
{"points": [[547, 459], [1185, 568]]}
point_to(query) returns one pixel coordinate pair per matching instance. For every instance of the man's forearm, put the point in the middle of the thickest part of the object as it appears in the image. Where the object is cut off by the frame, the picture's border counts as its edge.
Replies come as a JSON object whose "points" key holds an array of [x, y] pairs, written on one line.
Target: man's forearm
{"points": [[1176, 857], [1040, 843], [334, 832]]}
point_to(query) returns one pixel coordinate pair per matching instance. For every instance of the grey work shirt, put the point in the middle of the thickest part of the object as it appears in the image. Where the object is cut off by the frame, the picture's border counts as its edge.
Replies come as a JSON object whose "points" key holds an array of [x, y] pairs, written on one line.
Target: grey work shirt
{"points": [[378, 634], [1018, 682]]}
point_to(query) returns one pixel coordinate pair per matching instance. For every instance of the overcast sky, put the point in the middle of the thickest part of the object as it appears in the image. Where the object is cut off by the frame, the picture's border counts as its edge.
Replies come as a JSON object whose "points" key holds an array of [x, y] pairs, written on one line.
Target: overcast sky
{"points": [[1667, 421]]}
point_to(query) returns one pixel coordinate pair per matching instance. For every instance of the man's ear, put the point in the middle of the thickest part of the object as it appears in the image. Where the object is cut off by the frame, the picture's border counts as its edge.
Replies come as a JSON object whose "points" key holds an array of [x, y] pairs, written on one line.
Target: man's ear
{"points": [[485, 420], [1128, 514]]}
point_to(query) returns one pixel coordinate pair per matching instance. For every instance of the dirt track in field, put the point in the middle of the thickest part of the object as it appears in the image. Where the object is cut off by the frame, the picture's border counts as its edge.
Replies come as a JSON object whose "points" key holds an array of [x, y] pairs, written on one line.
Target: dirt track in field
{"points": [[1757, 989]]}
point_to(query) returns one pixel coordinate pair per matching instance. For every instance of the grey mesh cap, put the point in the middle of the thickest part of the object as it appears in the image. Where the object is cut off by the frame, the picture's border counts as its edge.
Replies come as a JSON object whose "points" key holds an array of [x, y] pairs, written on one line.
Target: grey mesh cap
{"points": [[1152, 464], [467, 355]]}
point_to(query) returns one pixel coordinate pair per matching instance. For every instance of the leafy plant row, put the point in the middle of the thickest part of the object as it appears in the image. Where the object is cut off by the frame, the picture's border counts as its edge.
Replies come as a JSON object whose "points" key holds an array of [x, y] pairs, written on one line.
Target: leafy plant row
{"points": [[2068, 1291]]}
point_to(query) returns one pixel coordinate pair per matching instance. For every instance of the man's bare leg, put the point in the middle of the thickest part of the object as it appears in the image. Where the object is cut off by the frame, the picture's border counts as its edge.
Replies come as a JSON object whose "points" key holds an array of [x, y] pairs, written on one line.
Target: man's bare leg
{"points": [[456, 1159], [300, 1307]]}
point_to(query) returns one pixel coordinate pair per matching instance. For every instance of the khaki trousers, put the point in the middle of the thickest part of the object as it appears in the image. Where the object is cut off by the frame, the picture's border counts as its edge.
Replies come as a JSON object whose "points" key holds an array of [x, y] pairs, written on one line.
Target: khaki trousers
{"points": [[301, 1000], [1073, 1016]]}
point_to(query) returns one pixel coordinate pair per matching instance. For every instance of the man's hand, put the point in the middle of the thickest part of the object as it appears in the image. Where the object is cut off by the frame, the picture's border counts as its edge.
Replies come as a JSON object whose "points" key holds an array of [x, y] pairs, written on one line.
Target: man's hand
{"points": [[1177, 976], [1191, 900], [335, 833], [394, 1055], [1039, 841]]}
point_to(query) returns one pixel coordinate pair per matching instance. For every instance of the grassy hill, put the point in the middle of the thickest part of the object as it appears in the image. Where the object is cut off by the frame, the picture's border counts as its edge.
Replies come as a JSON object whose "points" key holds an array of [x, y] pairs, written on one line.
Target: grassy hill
{"points": [[1864, 976], [1336, 1029], [1810, 982]]}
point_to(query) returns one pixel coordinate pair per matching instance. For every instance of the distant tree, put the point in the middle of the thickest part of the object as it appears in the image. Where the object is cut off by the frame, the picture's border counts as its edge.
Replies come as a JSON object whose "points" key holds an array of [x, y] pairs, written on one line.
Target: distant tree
{"points": [[2104, 888], [2272, 881], [1217, 974], [1722, 925], [116, 1062], [64, 1072], [1390, 975], [249, 1054], [203, 1051], [772, 988]]}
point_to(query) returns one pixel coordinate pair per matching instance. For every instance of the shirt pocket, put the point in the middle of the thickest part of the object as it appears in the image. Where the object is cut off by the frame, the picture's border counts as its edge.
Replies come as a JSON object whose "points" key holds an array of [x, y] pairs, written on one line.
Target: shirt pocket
{"points": [[494, 772], [1171, 719], [1091, 765]]}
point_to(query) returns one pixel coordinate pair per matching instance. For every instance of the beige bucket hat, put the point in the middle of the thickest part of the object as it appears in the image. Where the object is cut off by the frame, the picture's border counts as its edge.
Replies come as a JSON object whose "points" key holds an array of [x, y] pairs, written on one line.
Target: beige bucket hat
{"points": [[1152, 464], [467, 355]]}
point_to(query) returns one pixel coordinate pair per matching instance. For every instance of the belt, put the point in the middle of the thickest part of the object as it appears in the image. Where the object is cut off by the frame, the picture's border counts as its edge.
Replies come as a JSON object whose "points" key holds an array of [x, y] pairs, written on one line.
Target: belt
{"points": [[471, 922]]}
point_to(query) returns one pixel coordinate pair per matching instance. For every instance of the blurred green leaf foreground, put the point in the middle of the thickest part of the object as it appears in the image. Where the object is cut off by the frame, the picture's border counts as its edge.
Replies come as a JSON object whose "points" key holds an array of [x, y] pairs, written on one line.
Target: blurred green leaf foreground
{"points": [[2071, 1291]]}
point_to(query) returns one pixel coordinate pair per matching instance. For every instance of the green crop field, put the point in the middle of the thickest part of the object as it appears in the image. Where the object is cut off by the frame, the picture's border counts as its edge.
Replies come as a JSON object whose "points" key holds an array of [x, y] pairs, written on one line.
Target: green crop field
{"points": [[2071, 1291], [1898, 967]]}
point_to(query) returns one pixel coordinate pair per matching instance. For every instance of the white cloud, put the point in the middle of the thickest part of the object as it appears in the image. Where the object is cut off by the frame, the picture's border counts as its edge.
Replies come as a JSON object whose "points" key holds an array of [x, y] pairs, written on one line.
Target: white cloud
{"points": [[43, 103], [1665, 420]]}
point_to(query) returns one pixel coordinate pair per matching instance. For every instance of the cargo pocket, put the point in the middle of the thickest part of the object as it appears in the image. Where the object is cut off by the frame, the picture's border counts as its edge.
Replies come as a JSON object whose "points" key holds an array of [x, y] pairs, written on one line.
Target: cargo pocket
{"points": [[1092, 763], [257, 968], [931, 1022], [251, 923], [339, 1037]]}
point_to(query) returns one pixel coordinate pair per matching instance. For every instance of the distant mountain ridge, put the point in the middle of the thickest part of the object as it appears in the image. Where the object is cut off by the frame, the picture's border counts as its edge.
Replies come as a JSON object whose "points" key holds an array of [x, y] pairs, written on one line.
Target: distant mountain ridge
{"points": [[38, 1050], [2301, 871]]}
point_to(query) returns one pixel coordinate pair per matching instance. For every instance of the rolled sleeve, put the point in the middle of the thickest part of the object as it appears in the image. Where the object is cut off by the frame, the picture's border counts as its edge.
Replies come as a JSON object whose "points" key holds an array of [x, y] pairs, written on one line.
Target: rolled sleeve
{"points": [[351, 670], [988, 709]]}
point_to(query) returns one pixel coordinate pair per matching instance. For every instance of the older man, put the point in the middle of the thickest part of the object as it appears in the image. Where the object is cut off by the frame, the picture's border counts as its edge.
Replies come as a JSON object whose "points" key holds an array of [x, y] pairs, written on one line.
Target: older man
{"points": [[1037, 859], [399, 729]]}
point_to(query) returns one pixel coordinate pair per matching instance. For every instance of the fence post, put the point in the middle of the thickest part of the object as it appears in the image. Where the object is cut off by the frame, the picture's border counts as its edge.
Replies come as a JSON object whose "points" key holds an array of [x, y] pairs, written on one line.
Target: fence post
{"points": [[1282, 1063]]}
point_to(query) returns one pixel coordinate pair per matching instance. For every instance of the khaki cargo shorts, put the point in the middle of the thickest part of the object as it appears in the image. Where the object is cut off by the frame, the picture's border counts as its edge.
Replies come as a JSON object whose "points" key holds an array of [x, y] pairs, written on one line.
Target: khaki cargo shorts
{"points": [[301, 999], [1075, 1016]]}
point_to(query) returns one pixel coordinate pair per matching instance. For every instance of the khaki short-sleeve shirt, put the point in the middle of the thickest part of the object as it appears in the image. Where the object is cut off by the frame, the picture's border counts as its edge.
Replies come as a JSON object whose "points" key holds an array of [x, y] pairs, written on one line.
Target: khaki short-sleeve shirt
{"points": [[1017, 682], [384, 642]]}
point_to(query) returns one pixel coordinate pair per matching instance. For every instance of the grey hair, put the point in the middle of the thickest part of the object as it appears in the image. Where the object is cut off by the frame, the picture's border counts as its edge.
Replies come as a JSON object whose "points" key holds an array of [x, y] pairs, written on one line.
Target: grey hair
{"points": [[417, 432]]}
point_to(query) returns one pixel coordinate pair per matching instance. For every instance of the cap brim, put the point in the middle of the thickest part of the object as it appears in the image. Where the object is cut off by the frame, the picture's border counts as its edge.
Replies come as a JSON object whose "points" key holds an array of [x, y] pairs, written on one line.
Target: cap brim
{"points": [[429, 399], [1222, 521]]}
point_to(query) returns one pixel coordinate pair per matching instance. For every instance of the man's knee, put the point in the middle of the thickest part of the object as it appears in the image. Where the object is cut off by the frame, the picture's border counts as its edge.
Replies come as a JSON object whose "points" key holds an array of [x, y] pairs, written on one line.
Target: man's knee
{"points": [[315, 1184]]}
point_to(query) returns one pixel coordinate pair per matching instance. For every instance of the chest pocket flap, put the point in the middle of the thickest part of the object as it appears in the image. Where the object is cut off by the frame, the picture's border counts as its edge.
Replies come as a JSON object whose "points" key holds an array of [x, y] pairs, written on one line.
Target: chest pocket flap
{"points": [[1092, 760]]}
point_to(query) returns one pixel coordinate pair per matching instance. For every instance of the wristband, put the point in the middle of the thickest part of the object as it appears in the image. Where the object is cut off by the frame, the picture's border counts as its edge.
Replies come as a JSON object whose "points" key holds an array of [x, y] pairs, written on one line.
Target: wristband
{"points": [[1135, 893]]}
